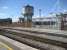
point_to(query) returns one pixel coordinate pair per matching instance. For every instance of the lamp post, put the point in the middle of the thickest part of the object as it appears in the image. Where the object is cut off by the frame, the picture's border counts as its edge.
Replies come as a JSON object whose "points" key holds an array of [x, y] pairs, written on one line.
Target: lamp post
{"points": [[40, 16]]}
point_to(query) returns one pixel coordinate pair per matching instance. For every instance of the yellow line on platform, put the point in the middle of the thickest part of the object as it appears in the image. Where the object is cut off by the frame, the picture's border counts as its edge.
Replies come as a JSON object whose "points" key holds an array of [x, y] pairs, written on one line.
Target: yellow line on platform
{"points": [[6, 46]]}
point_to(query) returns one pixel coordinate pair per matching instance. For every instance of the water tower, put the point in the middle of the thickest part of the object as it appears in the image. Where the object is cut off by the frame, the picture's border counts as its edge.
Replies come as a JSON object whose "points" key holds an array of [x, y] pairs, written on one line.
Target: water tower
{"points": [[28, 13]]}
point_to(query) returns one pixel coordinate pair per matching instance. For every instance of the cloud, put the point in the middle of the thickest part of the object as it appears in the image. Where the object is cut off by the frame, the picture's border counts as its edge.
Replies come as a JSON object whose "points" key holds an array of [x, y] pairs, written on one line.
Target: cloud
{"points": [[1, 14], [4, 7], [65, 10], [4, 15]]}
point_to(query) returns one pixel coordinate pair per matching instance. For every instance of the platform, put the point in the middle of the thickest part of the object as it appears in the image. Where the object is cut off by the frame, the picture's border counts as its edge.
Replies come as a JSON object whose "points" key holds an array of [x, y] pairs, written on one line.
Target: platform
{"points": [[9, 44], [4, 46]]}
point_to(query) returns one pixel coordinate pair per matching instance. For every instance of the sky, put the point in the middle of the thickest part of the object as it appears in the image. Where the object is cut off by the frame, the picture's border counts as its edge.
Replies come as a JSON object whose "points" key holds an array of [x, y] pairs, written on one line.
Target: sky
{"points": [[14, 8]]}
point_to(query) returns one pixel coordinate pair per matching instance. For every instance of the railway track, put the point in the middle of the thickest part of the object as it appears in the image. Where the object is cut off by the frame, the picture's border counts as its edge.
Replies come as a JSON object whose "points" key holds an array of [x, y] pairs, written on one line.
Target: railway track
{"points": [[36, 40]]}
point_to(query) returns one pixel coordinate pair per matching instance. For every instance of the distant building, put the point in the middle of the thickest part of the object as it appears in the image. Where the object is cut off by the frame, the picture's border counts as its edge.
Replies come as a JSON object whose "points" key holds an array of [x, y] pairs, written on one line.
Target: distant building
{"points": [[21, 20], [44, 21], [5, 21]]}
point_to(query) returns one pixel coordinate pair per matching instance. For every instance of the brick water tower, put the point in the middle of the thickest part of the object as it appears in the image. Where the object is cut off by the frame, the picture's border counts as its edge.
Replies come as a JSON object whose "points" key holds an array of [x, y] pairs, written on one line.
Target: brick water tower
{"points": [[28, 13]]}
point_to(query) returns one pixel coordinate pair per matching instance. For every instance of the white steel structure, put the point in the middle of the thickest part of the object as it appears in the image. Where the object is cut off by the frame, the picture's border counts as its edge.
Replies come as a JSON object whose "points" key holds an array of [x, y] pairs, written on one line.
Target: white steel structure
{"points": [[56, 16]]}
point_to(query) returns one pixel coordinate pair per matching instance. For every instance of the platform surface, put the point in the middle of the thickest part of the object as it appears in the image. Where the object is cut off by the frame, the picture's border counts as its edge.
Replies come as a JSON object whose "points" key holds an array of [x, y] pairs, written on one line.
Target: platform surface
{"points": [[4, 46], [9, 44]]}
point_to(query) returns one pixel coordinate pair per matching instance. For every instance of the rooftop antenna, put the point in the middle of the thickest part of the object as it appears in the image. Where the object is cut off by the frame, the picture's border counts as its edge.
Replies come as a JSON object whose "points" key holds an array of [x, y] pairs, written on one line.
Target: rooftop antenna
{"points": [[40, 15], [39, 12]]}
